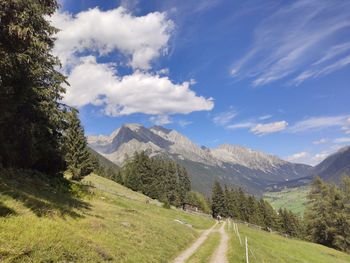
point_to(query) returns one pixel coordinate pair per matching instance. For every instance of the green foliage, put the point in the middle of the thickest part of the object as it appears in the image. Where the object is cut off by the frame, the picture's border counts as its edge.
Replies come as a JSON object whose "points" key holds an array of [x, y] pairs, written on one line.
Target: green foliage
{"points": [[77, 155], [31, 116], [157, 178], [328, 214], [218, 207], [236, 204], [198, 200]]}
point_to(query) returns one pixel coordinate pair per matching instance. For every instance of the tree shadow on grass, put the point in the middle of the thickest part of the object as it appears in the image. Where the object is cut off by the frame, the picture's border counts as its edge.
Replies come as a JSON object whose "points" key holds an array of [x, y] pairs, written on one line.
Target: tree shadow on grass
{"points": [[6, 211], [44, 195]]}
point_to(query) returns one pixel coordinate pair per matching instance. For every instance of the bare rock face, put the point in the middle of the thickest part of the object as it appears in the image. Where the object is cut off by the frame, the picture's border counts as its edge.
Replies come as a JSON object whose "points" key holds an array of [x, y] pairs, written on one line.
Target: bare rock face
{"points": [[230, 164]]}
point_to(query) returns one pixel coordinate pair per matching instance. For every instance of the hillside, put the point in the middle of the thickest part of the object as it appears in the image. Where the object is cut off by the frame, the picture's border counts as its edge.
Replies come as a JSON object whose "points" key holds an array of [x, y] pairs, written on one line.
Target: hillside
{"points": [[273, 248], [100, 220], [334, 166], [41, 221], [230, 164], [293, 199], [103, 161]]}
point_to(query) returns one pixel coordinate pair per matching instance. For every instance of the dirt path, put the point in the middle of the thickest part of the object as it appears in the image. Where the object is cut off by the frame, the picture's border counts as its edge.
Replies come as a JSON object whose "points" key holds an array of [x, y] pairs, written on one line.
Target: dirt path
{"points": [[189, 251], [220, 254]]}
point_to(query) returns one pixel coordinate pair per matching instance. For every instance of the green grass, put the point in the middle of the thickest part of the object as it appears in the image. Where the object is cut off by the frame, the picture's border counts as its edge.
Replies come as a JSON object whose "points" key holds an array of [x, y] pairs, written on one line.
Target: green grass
{"points": [[271, 248], [293, 199], [45, 222], [205, 252]]}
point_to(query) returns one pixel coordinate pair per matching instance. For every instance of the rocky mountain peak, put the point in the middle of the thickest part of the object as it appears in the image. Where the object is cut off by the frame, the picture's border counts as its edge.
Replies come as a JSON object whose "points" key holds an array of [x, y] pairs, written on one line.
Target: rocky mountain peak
{"points": [[231, 163]]}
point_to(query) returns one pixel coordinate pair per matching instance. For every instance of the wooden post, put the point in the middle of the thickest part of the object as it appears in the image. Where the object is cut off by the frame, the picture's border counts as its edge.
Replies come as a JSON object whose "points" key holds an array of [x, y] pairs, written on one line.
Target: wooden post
{"points": [[239, 236], [246, 250]]}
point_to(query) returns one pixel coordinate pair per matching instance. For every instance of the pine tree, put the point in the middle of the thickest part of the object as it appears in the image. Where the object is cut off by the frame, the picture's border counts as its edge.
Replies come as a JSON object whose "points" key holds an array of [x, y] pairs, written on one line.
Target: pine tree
{"points": [[184, 183], [317, 215], [30, 87], [77, 156], [218, 200]]}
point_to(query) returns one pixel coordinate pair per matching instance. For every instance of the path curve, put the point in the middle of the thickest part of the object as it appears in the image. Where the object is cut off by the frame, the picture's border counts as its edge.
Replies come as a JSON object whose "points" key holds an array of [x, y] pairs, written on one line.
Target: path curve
{"points": [[189, 251], [220, 255]]}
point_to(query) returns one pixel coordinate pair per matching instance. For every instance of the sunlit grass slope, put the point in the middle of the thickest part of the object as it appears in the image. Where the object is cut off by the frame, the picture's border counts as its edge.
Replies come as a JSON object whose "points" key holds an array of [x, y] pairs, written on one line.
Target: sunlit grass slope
{"points": [[266, 247], [293, 199], [41, 221]]}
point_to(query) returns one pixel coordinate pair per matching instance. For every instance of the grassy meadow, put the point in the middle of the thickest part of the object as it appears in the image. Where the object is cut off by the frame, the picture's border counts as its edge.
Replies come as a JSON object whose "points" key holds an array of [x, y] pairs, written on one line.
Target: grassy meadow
{"points": [[294, 199], [265, 247], [98, 221]]}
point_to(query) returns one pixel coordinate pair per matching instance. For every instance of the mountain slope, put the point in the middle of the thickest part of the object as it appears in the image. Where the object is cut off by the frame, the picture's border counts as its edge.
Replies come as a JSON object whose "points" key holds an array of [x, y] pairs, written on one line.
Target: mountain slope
{"points": [[230, 164], [273, 248], [334, 166], [42, 222]]}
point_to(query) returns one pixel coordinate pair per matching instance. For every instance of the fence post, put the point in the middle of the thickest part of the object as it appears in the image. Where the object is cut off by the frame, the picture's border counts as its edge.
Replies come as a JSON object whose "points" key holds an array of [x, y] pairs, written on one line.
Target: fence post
{"points": [[246, 250], [239, 236]]}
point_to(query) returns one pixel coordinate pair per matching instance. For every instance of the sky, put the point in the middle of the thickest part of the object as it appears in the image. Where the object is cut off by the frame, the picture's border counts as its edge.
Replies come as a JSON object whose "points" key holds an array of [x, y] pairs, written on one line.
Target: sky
{"points": [[269, 75]]}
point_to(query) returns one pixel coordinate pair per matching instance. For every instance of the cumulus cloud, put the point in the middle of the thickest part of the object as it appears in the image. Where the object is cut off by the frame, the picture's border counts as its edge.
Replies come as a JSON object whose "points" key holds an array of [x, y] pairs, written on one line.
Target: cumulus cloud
{"points": [[272, 127], [90, 35], [140, 92], [142, 38], [290, 42], [224, 118], [298, 157]]}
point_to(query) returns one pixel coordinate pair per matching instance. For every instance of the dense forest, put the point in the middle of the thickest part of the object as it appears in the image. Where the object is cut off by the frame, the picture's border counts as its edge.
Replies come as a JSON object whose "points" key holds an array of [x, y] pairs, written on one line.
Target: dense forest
{"points": [[327, 216], [160, 179]]}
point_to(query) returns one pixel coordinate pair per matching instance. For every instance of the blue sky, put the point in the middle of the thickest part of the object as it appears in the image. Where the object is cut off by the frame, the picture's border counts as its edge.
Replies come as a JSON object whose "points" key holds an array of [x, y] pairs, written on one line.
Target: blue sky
{"points": [[270, 75]]}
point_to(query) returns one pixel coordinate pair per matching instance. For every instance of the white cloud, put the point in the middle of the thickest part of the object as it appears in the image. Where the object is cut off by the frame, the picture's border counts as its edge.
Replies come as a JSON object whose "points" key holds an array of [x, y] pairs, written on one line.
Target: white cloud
{"points": [[93, 34], [342, 140], [160, 119], [298, 157], [224, 117], [240, 125], [265, 117], [97, 84], [163, 71], [267, 128], [142, 38], [319, 157], [291, 41], [316, 123], [320, 141], [184, 123]]}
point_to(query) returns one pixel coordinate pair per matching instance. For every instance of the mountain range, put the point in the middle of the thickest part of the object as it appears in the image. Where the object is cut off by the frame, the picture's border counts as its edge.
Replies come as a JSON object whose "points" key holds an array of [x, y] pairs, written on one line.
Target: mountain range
{"points": [[229, 164], [335, 166]]}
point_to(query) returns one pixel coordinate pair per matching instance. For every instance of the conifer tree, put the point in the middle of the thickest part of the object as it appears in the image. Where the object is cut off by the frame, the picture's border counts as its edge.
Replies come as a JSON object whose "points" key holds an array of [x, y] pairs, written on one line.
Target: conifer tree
{"points": [[218, 200], [77, 156], [30, 87], [183, 182], [317, 215]]}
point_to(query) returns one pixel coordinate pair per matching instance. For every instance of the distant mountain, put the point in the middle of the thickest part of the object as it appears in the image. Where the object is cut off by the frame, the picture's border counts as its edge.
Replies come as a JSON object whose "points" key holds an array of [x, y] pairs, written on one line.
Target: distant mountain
{"points": [[334, 166], [103, 161], [230, 164]]}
